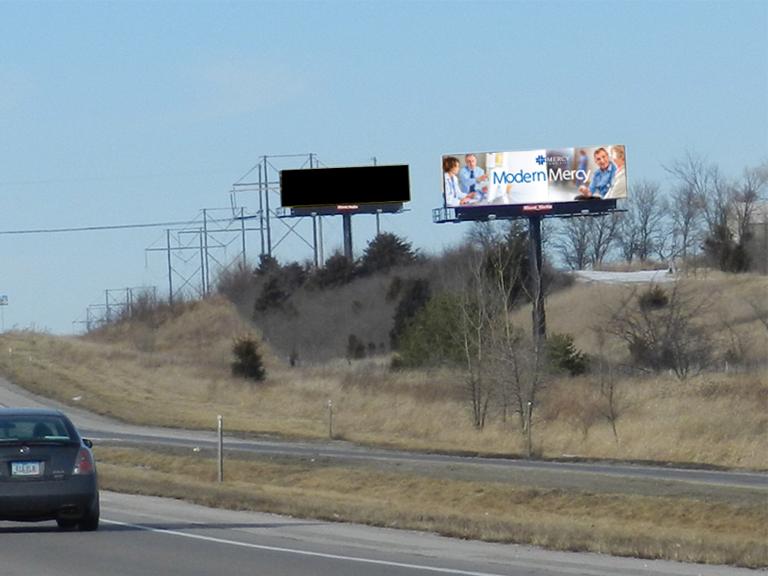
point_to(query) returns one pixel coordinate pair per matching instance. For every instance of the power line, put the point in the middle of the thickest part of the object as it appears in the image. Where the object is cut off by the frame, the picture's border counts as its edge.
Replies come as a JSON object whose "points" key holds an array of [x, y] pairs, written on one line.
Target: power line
{"points": [[94, 228]]}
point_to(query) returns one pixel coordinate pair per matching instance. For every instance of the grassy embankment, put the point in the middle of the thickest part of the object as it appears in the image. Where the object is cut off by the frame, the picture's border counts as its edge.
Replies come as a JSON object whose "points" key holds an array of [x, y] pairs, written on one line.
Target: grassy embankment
{"points": [[178, 375], [684, 529]]}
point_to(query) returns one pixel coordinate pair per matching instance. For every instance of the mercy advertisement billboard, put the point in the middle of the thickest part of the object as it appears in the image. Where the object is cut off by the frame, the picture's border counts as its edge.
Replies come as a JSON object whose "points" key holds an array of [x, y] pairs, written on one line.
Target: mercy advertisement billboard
{"points": [[543, 177]]}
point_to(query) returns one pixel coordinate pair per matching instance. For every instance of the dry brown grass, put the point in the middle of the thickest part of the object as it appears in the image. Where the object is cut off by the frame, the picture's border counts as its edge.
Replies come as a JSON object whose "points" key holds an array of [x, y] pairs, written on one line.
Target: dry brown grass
{"points": [[682, 529], [183, 380], [727, 311]]}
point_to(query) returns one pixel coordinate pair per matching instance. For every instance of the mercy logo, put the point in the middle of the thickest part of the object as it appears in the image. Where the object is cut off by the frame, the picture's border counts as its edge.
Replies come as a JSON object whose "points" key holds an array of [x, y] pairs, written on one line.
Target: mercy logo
{"points": [[520, 177], [560, 175], [540, 160], [523, 177]]}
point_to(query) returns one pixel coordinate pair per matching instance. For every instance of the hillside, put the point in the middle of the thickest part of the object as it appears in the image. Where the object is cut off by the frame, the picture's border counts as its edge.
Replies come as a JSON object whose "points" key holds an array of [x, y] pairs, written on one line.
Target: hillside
{"points": [[136, 370]]}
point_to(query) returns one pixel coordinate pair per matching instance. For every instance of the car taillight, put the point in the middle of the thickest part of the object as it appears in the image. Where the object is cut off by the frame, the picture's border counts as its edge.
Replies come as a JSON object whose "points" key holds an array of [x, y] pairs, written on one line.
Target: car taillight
{"points": [[84, 463]]}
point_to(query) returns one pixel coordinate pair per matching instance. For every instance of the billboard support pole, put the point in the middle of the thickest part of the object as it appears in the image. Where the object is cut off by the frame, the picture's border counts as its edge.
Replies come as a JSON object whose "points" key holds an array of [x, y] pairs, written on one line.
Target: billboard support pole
{"points": [[314, 237], [347, 220], [539, 316], [320, 235]]}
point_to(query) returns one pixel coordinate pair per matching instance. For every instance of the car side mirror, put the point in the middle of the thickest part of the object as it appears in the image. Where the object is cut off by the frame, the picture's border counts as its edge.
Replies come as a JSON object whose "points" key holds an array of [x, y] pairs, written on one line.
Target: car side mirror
{"points": [[87, 442]]}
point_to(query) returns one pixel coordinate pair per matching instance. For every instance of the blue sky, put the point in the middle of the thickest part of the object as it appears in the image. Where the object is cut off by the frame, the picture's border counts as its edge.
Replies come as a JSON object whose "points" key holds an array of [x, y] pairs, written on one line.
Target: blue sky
{"points": [[131, 112]]}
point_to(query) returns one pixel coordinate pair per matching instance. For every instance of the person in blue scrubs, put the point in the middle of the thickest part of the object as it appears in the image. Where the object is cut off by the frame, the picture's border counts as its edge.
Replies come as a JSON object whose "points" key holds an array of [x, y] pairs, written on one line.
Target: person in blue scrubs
{"points": [[602, 179]]}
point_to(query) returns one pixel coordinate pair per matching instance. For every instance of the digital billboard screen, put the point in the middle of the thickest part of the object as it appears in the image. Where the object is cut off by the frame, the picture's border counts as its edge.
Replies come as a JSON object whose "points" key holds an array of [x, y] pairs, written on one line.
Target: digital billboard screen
{"points": [[534, 177], [348, 186]]}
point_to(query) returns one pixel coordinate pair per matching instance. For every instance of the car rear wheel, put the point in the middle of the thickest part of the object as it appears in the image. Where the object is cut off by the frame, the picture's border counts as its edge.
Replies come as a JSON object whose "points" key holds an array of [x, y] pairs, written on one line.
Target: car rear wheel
{"points": [[90, 521]]}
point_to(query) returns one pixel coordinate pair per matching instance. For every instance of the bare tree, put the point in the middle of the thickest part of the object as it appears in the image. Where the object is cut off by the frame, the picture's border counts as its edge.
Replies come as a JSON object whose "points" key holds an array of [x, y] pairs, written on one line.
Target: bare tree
{"points": [[604, 231], [627, 236], [475, 327], [662, 329], [701, 194], [685, 211], [517, 358], [747, 194], [612, 405], [717, 202], [646, 213], [573, 242]]}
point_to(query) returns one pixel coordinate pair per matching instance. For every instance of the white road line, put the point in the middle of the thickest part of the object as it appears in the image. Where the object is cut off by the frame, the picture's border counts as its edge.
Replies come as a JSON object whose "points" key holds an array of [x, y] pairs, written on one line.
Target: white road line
{"points": [[300, 552]]}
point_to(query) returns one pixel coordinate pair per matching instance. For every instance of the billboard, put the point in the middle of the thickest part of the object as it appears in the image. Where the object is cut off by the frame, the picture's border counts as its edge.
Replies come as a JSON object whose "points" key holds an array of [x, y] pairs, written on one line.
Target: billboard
{"points": [[544, 177], [345, 188]]}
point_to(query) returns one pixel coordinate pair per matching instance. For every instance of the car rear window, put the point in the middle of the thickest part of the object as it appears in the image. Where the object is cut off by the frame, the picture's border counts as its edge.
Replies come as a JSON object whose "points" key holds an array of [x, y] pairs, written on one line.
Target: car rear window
{"points": [[33, 428]]}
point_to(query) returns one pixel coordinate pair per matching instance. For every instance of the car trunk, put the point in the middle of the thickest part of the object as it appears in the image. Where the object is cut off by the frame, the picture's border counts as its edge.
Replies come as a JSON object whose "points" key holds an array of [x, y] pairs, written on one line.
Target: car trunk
{"points": [[35, 461]]}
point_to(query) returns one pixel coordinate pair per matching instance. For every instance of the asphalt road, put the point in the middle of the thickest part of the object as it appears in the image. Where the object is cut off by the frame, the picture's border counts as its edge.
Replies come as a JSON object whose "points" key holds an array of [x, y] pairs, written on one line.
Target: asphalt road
{"points": [[143, 536]]}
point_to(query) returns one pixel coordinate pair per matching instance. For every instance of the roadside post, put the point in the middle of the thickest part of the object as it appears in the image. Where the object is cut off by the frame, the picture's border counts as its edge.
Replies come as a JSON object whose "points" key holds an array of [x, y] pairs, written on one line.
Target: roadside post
{"points": [[221, 447]]}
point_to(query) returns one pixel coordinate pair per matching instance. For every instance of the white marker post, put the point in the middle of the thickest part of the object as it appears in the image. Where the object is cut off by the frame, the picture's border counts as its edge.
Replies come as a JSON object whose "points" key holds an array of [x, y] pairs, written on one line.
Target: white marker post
{"points": [[221, 448]]}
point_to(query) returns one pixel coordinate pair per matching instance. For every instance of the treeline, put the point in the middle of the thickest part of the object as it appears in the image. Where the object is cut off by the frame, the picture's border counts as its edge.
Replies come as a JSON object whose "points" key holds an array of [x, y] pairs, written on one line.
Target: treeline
{"points": [[699, 218], [364, 308]]}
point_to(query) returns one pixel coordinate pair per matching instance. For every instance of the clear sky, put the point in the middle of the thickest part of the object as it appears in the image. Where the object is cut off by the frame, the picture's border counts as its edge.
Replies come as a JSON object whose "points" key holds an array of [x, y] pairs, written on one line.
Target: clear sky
{"points": [[132, 112]]}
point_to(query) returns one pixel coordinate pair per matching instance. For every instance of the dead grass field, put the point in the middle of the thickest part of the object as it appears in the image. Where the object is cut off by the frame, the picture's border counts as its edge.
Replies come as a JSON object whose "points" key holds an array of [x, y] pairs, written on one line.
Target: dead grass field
{"points": [[179, 375], [684, 529]]}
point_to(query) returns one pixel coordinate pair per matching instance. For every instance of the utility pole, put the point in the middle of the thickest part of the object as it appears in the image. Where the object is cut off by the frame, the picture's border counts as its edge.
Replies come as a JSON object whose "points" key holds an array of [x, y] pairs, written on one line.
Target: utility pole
{"points": [[266, 205], [207, 282], [242, 234], [170, 268]]}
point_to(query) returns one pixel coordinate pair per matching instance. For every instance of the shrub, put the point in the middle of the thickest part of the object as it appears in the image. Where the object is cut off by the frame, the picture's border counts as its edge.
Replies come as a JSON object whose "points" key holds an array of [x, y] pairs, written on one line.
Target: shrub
{"points": [[248, 362], [662, 332], [355, 348], [564, 356], [655, 298]]}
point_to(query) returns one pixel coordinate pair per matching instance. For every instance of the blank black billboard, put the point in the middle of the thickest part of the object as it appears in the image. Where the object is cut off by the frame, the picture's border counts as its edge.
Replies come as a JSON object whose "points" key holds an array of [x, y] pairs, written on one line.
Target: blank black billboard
{"points": [[345, 186]]}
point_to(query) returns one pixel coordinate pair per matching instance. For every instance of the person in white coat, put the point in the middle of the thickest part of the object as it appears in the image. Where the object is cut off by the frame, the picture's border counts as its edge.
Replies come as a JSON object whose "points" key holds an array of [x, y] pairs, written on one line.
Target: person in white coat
{"points": [[619, 187], [451, 186]]}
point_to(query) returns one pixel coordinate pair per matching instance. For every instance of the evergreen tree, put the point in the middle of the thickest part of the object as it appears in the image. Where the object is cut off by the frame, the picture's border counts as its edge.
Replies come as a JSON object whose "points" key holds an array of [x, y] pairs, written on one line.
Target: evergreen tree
{"points": [[385, 251], [415, 297], [248, 362]]}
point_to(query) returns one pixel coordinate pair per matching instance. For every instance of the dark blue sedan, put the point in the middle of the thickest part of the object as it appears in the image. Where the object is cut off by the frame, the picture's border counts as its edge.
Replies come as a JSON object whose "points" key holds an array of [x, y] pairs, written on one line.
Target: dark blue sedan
{"points": [[47, 471]]}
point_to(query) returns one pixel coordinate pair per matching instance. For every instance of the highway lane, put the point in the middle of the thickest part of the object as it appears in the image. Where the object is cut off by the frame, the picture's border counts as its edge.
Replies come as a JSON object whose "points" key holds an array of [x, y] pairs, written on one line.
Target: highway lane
{"points": [[143, 535], [643, 478]]}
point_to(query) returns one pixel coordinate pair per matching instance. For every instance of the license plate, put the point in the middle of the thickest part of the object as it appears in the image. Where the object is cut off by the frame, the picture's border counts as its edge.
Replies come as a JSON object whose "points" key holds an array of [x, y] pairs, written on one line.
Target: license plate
{"points": [[26, 468]]}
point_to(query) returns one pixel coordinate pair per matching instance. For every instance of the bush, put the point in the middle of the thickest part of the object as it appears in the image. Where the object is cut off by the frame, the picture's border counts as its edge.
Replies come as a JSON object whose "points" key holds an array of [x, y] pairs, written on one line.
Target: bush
{"points": [[248, 362], [355, 348], [655, 298], [564, 356], [662, 330]]}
